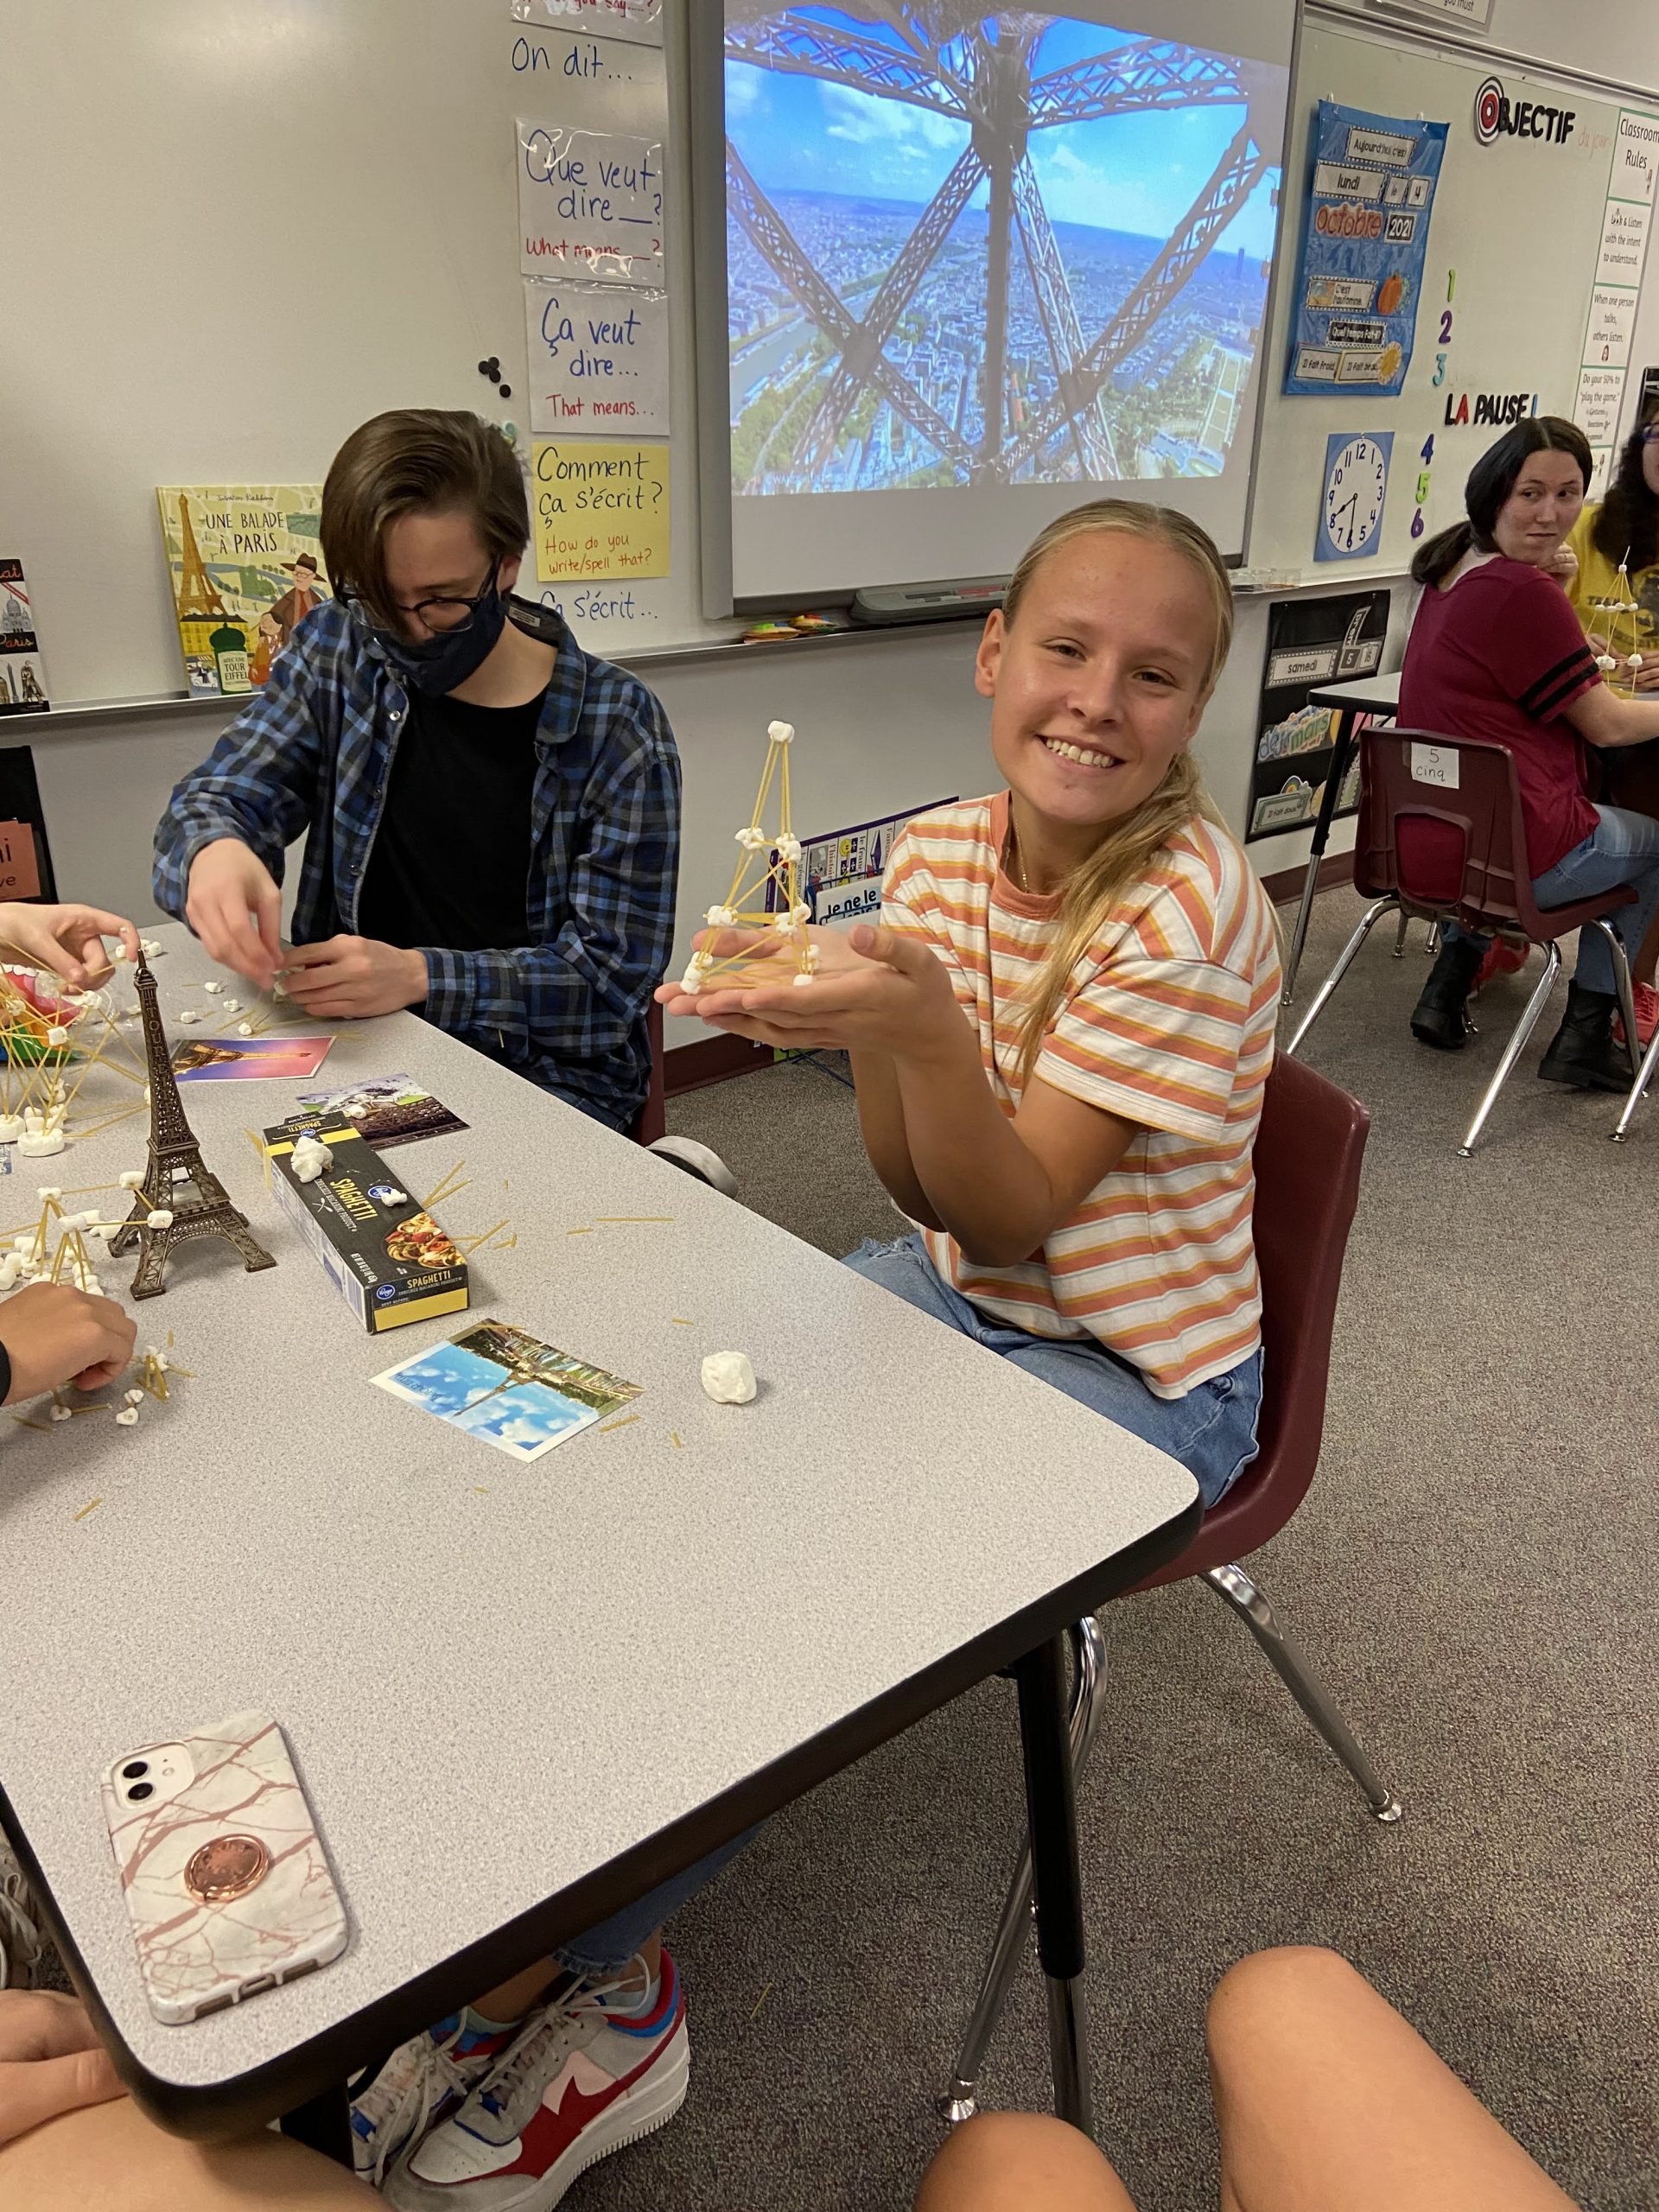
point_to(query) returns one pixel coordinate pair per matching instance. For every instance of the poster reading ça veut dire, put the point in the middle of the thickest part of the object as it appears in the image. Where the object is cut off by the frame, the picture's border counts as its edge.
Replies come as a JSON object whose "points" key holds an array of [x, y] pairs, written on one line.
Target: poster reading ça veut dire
{"points": [[590, 203], [1363, 249], [598, 358], [640, 21], [600, 509]]}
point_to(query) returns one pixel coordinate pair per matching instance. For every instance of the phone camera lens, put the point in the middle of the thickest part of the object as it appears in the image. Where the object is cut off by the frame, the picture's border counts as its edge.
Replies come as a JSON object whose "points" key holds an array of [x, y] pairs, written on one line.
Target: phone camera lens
{"points": [[134, 1768], [141, 1790]]}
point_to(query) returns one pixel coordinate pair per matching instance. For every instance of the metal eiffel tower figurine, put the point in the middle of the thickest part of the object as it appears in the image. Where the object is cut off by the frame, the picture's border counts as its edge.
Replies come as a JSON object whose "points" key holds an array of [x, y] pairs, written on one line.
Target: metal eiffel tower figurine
{"points": [[177, 1182]]}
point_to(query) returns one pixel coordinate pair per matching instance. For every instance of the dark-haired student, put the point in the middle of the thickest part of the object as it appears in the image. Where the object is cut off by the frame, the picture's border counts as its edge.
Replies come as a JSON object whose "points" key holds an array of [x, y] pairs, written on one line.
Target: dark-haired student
{"points": [[491, 816], [1623, 530], [1496, 652]]}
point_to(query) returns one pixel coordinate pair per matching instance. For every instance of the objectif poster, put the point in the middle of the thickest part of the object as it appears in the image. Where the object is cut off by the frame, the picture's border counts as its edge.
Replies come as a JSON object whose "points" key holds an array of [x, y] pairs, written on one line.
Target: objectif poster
{"points": [[1363, 248]]}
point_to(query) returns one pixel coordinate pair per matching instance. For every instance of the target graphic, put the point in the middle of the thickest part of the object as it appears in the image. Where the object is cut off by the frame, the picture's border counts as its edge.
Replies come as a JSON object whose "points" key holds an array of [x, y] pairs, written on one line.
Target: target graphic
{"points": [[1488, 111]]}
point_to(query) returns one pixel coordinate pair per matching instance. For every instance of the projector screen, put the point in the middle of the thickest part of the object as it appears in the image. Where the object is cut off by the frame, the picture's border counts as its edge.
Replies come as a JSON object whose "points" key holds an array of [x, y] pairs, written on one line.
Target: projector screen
{"points": [[980, 264]]}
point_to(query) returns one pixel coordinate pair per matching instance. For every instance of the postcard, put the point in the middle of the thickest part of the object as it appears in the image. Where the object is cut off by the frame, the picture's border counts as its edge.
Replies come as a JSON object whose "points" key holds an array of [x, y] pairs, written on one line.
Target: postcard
{"points": [[387, 1109], [243, 1059], [508, 1388]]}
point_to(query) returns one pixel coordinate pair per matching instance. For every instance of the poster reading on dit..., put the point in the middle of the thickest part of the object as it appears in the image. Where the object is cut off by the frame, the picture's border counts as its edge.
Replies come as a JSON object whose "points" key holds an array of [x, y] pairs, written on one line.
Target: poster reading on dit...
{"points": [[1363, 248]]}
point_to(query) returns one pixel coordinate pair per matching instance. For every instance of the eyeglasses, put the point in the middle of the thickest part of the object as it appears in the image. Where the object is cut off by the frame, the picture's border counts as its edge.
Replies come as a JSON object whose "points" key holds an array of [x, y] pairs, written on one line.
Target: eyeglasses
{"points": [[439, 614], [1648, 433]]}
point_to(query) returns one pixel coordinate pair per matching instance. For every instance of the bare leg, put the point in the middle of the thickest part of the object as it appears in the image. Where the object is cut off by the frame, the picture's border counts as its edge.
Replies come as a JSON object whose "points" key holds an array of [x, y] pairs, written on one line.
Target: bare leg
{"points": [[1019, 2162], [1327, 2101], [110, 2158]]}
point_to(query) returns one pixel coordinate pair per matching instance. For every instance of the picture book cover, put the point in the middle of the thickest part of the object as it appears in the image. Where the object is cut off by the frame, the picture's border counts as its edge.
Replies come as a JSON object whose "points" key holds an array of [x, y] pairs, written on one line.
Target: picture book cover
{"points": [[246, 566], [22, 679]]}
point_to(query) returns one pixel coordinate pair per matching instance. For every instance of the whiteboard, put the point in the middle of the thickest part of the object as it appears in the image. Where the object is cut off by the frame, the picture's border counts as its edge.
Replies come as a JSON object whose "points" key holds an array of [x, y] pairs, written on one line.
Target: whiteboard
{"points": [[1519, 220], [238, 228]]}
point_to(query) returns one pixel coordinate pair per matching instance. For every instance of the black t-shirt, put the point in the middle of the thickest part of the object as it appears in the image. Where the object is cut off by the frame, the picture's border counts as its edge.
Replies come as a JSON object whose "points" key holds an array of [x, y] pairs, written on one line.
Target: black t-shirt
{"points": [[450, 862]]}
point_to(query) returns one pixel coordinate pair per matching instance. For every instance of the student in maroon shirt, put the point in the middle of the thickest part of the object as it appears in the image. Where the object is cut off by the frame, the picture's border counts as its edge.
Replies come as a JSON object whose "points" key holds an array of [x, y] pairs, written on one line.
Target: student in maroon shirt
{"points": [[1496, 652]]}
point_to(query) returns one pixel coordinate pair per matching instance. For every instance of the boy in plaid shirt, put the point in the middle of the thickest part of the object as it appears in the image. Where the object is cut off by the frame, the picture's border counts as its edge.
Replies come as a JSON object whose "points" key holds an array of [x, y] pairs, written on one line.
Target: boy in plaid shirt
{"points": [[491, 814]]}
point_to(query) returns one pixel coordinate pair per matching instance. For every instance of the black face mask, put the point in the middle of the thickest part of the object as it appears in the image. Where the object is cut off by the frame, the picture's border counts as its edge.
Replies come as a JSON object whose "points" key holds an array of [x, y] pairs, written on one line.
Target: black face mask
{"points": [[438, 664]]}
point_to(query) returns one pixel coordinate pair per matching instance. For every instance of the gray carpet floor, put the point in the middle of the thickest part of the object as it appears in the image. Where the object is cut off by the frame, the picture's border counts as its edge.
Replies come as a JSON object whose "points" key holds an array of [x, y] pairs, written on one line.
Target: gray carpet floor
{"points": [[1470, 1573]]}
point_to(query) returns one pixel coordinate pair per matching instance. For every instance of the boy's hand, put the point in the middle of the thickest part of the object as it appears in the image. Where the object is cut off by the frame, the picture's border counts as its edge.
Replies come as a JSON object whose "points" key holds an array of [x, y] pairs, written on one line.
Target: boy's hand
{"points": [[233, 905], [344, 977], [67, 940], [53, 1333], [51, 2060], [873, 990]]}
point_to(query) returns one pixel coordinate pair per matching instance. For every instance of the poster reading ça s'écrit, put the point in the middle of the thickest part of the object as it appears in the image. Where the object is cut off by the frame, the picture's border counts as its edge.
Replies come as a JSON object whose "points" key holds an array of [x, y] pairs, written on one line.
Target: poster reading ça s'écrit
{"points": [[1363, 249]]}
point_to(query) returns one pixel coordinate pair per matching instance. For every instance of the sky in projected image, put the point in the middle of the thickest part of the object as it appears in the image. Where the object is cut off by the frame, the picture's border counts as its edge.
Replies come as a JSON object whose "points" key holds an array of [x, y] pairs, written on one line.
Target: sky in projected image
{"points": [[850, 208]]}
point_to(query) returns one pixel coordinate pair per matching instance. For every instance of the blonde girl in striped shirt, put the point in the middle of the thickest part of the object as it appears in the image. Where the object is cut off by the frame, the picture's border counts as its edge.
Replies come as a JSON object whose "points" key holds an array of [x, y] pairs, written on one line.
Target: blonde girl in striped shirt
{"points": [[1061, 1030]]}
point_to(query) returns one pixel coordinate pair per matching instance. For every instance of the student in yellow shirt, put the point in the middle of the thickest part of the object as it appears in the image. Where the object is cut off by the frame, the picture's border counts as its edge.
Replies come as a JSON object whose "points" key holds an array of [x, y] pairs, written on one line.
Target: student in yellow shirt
{"points": [[1624, 528]]}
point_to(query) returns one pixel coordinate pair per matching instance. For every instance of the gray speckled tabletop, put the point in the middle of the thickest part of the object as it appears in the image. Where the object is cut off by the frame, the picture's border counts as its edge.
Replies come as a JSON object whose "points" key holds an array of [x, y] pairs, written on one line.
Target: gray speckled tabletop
{"points": [[496, 1677]]}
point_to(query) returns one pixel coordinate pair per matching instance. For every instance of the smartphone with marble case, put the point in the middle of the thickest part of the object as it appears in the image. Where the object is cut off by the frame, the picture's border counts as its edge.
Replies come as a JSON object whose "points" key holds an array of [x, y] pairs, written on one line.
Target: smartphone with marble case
{"points": [[226, 1883]]}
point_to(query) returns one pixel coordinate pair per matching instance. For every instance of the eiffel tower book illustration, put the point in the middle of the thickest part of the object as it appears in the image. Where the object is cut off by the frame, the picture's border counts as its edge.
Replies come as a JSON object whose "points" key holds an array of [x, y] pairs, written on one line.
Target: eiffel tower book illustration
{"points": [[186, 1195], [246, 566]]}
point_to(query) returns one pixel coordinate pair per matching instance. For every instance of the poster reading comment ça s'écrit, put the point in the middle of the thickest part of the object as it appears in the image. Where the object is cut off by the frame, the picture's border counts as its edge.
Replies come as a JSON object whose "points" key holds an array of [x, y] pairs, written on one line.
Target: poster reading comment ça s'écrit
{"points": [[600, 509]]}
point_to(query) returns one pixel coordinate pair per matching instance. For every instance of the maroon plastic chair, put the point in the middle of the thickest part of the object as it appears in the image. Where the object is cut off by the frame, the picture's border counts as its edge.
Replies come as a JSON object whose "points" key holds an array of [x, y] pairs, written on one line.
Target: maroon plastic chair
{"points": [[1307, 1158], [1442, 838], [651, 1125]]}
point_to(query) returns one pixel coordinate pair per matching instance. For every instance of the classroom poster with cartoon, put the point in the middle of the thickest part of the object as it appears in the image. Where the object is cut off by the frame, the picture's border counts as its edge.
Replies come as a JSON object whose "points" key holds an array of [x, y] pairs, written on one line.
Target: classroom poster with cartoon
{"points": [[246, 567]]}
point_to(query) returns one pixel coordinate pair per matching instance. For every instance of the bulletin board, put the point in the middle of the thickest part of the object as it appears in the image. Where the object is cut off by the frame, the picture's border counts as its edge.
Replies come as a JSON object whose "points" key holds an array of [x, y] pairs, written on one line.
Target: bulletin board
{"points": [[238, 228], [1529, 287]]}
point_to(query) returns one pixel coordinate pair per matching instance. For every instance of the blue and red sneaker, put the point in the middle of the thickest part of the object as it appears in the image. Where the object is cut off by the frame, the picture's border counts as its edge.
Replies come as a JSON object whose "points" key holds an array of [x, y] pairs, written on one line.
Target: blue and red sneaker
{"points": [[584, 2075], [423, 2079]]}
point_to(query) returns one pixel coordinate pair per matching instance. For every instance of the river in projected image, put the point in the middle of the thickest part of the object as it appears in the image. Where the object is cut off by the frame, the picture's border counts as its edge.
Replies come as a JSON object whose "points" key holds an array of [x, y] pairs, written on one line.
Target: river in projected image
{"points": [[1075, 294]]}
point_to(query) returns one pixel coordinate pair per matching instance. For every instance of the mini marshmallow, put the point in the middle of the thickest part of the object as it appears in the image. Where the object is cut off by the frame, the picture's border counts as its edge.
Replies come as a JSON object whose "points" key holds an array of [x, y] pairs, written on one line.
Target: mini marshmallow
{"points": [[159, 1217], [150, 946], [751, 839], [188, 1017], [728, 1378], [120, 952], [131, 1178], [789, 848], [11, 1128], [1605, 661], [11, 1268], [128, 1417], [55, 1411], [40, 1144], [135, 1397], [233, 1006], [780, 733], [1633, 660], [214, 986], [802, 912], [396, 1199], [244, 1029], [720, 918], [691, 981], [49, 1189], [57, 1035], [789, 931], [796, 981]]}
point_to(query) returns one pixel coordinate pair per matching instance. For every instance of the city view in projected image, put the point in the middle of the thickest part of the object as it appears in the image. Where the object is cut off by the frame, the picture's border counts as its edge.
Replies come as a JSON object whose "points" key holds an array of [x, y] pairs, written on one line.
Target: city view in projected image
{"points": [[976, 247]]}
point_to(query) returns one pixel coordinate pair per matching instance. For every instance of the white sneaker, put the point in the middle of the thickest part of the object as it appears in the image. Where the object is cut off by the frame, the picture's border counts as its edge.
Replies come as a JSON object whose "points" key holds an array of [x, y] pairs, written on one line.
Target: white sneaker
{"points": [[423, 2079], [581, 2079], [21, 1940]]}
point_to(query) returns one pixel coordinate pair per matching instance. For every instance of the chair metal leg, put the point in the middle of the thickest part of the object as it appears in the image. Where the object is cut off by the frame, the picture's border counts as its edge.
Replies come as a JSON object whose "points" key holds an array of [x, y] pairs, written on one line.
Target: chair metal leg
{"points": [[1373, 914], [1523, 1029], [1299, 1678], [1400, 935], [1644, 1075], [1621, 986], [1431, 940], [959, 2101]]}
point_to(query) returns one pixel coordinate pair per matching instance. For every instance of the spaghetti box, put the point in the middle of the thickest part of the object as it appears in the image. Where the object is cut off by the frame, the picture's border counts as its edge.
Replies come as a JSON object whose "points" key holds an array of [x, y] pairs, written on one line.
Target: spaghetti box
{"points": [[385, 1254]]}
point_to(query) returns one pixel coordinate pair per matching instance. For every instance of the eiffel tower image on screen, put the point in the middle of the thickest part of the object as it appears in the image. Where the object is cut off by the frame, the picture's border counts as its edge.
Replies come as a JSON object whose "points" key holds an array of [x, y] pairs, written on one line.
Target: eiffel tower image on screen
{"points": [[175, 1180]]}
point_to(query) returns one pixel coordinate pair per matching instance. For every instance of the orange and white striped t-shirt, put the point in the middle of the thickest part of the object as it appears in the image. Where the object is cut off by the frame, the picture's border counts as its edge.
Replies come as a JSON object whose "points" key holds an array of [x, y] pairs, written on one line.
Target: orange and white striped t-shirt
{"points": [[1169, 1023]]}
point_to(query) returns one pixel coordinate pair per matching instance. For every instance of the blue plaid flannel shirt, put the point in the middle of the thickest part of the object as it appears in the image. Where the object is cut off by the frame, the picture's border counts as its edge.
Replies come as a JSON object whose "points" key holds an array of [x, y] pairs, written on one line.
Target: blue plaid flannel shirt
{"points": [[312, 753]]}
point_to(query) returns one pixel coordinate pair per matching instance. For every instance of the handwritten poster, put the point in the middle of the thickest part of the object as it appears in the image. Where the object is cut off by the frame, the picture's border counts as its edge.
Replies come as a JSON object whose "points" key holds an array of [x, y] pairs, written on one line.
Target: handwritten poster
{"points": [[640, 21], [1626, 220], [1371, 193], [590, 202], [602, 510], [598, 358], [614, 80]]}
